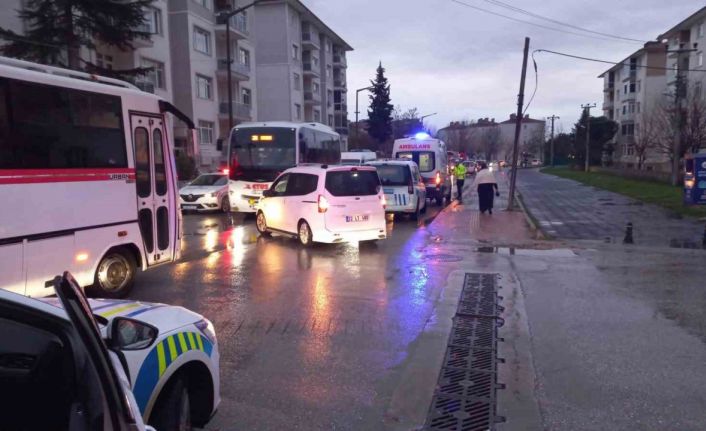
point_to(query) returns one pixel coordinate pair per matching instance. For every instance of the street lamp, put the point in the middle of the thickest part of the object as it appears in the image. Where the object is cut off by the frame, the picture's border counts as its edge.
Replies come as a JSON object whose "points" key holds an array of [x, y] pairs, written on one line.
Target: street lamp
{"points": [[356, 112], [425, 116], [221, 18]]}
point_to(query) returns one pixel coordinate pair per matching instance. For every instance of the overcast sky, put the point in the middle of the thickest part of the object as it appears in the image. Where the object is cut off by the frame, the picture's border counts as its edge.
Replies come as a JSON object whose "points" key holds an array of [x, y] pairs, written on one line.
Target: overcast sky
{"points": [[465, 64]]}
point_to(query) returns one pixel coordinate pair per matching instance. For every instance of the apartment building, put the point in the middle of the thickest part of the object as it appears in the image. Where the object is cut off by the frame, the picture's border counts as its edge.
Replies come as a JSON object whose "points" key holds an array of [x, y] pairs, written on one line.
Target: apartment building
{"points": [[686, 43], [301, 66], [632, 93], [200, 70]]}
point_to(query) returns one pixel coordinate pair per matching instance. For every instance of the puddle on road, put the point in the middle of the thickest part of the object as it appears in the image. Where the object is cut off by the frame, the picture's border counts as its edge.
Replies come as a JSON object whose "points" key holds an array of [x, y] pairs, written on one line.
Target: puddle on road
{"points": [[513, 251]]}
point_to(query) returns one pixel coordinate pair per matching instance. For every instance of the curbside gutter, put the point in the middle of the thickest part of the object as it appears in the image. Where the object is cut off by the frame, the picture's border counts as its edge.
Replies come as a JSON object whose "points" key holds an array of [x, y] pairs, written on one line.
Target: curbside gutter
{"points": [[531, 221]]}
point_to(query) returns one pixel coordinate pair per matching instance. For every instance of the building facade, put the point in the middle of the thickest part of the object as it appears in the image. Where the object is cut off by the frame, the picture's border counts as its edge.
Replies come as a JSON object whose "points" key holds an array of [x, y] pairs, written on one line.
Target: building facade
{"points": [[303, 63], [633, 91]]}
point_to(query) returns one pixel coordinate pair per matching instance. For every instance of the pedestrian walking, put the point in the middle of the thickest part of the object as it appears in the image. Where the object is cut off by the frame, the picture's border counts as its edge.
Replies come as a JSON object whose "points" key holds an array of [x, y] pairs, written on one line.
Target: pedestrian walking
{"points": [[460, 173], [485, 182]]}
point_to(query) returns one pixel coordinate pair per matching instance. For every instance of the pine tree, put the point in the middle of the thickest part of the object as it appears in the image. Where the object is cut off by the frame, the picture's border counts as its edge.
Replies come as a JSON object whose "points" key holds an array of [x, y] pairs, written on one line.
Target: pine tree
{"points": [[380, 111], [57, 30]]}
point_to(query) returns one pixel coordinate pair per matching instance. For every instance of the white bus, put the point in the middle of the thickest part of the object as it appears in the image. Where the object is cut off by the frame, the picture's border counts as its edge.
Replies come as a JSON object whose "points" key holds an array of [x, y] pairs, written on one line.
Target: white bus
{"points": [[259, 152], [87, 180]]}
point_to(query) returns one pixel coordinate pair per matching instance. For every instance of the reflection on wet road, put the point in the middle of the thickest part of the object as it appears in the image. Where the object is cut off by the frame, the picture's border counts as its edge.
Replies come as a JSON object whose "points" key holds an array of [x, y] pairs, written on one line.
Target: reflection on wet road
{"points": [[307, 334]]}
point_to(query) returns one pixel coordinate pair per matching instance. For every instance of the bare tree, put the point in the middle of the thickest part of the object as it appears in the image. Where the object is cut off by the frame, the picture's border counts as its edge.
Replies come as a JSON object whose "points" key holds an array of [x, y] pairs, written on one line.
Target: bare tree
{"points": [[648, 136], [490, 142]]}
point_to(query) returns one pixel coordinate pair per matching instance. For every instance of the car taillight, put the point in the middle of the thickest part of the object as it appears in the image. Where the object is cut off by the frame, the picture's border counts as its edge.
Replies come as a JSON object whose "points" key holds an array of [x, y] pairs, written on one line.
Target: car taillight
{"points": [[438, 179], [323, 204], [383, 201]]}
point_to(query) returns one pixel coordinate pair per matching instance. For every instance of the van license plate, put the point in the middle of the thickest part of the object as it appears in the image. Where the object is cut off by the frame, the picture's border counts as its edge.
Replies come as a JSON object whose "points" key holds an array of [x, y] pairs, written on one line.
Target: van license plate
{"points": [[357, 218], [190, 207]]}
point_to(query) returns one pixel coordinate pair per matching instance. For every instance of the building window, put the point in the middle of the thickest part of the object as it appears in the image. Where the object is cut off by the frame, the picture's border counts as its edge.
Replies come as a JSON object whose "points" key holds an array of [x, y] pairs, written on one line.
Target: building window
{"points": [[329, 98], [330, 120], [297, 111], [700, 59], [295, 52], [317, 116], [329, 72], [328, 46], [700, 30], [204, 87], [204, 3], [244, 57], [316, 87], [638, 86], [202, 40], [625, 89], [632, 87], [246, 96], [205, 132], [104, 61], [625, 109], [156, 75], [638, 107], [152, 23], [315, 61], [297, 81]]}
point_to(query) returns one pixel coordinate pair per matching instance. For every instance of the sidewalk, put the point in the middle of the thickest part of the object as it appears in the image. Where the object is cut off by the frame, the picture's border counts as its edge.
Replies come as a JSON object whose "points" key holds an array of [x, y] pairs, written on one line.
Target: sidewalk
{"points": [[594, 338], [568, 209]]}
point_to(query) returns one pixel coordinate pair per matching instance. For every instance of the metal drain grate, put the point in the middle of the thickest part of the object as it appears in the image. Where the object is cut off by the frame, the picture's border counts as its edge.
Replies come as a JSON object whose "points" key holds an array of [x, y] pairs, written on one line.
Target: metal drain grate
{"points": [[465, 396]]}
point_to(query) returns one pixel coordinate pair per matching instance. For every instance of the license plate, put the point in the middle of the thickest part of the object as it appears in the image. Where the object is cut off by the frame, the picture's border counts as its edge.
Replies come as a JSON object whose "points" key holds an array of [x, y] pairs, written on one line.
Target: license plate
{"points": [[190, 207], [357, 218]]}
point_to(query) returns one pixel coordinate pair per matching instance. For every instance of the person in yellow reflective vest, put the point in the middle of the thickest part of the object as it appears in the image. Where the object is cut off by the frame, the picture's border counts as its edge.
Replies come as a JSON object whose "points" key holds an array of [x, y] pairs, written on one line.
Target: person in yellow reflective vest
{"points": [[460, 174]]}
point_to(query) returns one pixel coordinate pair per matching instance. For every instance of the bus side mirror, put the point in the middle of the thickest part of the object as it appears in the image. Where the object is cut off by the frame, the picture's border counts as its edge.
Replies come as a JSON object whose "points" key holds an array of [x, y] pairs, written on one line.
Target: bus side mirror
{"points": [[268, 193], [219, 144]]}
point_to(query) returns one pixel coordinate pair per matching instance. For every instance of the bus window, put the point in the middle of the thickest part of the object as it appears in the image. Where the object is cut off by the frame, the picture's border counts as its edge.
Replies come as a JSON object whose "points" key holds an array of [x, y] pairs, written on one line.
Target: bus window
{"points": [[160, 174], [49, 127], [318, 147], [258, 152], [142, 163]]}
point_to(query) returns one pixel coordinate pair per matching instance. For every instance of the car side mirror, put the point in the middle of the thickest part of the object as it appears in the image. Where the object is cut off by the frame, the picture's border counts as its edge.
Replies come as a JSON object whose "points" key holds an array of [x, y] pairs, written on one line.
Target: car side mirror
{"points": [[131, 334], [268, 193]]}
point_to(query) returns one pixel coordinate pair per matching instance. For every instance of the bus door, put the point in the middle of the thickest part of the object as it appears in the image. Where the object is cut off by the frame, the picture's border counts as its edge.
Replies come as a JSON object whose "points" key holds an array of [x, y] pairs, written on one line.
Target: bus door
{"points": [[155, 199]]}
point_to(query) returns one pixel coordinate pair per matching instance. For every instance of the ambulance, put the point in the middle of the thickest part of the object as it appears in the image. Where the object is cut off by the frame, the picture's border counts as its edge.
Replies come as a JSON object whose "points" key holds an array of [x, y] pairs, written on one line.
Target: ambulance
{"points": [[430, 155], [73, 363]]}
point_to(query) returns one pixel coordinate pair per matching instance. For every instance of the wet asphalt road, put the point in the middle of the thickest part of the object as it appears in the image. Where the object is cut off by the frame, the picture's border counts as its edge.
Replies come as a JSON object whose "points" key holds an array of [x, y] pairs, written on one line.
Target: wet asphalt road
{"points": [[309, 338]]}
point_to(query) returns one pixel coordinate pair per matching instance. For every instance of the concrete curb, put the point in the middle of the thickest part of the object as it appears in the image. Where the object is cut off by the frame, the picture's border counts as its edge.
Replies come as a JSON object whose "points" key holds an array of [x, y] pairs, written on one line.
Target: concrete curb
{"points": [[539, 233]]}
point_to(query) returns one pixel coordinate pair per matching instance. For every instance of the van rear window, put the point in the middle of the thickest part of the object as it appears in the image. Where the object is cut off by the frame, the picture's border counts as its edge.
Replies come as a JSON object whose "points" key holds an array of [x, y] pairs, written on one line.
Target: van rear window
{"points": [[352, 183], [423, 159]]}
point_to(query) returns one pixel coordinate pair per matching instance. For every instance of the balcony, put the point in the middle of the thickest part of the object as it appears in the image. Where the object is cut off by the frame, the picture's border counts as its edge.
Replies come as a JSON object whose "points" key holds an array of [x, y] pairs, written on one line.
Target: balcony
{"points": [[310, 69], [339, 61], [241, 111], [147, 87], [609, 86], [238, 28], [239, 71], [310, 40], [312, 97], [608, 105], [340, 108], [339, 84]]}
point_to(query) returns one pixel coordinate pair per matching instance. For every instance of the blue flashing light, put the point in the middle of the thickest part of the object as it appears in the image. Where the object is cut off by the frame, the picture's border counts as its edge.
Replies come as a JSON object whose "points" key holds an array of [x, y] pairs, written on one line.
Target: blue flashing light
{"points": [[421, 135]]}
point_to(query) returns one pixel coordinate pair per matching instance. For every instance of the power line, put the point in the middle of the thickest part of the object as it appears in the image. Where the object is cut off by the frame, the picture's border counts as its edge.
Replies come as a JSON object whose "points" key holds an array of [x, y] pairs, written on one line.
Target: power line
{"points": [[535, 15], [613, 62], [536, 85], [535, 24]]}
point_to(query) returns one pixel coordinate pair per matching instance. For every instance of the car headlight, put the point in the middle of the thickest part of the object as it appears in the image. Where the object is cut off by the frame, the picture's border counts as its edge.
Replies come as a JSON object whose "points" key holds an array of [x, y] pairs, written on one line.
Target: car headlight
{"points": [[207, 329], [211, 195]]}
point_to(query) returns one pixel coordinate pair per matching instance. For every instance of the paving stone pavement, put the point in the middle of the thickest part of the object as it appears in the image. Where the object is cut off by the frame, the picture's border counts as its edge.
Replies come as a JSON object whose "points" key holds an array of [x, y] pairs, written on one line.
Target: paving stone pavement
{"points": [[567, 209]]}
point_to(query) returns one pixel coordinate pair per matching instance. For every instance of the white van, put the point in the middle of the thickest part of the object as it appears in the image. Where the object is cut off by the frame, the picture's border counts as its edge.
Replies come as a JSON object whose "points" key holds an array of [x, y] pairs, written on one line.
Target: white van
{"points": [[431, 157], [357, 158]]}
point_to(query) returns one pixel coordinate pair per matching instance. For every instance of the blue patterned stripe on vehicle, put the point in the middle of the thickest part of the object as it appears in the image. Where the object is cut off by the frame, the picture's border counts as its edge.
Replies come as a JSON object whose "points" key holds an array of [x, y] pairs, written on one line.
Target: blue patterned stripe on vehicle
{"points": [[142, 310], [160, 357]]}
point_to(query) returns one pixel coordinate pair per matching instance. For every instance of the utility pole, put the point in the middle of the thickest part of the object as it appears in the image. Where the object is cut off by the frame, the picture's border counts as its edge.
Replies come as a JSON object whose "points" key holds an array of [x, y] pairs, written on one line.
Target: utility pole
{"points": [[518, 127], [551, 141], [587, 107], [357, 143], [224, 18]]}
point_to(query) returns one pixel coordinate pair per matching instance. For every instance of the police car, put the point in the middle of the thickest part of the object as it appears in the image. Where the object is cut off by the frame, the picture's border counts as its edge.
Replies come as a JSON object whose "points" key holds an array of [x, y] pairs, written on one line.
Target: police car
{"points": [[88, 363]]}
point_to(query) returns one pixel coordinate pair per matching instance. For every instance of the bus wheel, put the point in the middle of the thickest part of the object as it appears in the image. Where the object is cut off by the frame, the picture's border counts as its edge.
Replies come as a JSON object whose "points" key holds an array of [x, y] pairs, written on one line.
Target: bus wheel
{"points": [[261, 224], [115, 275]]}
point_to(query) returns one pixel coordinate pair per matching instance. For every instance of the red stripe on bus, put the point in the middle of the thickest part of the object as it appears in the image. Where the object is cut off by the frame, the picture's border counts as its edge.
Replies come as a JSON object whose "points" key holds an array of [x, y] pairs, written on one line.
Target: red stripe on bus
{"points": [[63, 179], [88, 171]]}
